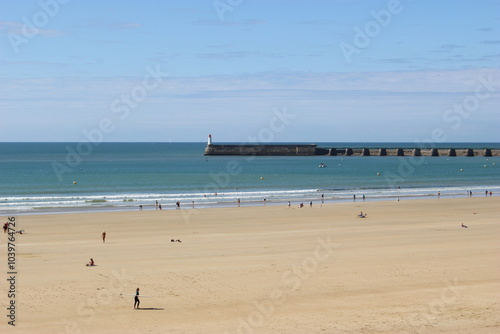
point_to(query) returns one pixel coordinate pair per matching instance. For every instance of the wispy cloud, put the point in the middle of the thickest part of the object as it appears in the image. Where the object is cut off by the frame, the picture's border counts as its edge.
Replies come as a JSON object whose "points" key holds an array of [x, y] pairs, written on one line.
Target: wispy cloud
{"points": [[399, 60], [117, 25], [238, 54], [28, 62], [495, 42], [163, 57], [326, 96], [188, 10], [497, 55], [249, 22], [228, 55], [316, 22], [451, 46], [108, 42], [221, 46], [17, 28], [451, 81], [448, 48], [125, 25]]}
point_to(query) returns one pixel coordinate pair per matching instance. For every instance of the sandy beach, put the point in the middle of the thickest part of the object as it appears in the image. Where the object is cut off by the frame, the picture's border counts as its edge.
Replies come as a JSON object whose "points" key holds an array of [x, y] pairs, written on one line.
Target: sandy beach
{"points": [[409, 267]]}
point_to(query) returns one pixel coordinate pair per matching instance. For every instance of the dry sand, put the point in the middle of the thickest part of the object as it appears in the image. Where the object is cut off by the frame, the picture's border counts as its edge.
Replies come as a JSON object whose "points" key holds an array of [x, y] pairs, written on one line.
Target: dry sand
{"points": [[407, 268]]}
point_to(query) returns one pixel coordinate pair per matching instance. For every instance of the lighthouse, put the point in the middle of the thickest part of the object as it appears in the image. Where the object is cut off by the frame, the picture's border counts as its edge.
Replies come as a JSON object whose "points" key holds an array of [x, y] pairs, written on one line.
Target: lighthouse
{"points": [[209, 140]]}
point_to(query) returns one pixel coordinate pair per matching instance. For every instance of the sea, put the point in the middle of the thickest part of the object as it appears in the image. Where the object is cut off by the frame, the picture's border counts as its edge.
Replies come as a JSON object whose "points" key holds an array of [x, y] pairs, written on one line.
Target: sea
{"points": [[80, 177]]}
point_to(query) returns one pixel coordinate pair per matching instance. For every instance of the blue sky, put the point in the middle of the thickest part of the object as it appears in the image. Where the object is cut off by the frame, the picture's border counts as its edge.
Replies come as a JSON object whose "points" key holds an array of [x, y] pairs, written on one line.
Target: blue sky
{"points": [[250, 70]]}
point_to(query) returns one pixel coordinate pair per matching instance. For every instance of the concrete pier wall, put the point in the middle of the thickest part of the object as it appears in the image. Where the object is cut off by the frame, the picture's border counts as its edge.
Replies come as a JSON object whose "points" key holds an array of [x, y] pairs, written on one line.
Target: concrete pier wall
{"points": [[262, 150], [312, 149]]}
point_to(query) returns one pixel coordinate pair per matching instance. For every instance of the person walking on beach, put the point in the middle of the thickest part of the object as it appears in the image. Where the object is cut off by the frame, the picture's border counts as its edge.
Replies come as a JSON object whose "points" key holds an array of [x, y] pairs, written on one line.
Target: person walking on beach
{"points": [[136, 299], [5, 227], [178, 205], [103, 236]]}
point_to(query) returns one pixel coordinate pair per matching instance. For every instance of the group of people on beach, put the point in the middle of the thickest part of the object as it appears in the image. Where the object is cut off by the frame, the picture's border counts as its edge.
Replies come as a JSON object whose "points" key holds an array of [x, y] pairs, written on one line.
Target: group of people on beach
{"points": [[486, 193], [159, 207], [238, 201], [91, 263], [354, 197]]}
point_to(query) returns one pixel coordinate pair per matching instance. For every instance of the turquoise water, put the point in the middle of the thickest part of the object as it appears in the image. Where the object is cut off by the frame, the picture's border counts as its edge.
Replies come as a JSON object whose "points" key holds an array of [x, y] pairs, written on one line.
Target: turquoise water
{"points": [[78, 176]]}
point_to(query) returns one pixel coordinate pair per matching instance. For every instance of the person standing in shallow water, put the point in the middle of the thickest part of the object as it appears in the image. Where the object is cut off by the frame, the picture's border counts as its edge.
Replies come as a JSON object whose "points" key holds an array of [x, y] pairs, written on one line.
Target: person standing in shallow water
{"points": [[136, 299]]}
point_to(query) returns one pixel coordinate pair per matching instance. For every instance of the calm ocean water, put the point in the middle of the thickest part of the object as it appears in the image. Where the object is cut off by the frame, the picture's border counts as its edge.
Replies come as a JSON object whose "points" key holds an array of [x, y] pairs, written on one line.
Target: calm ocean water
{"points": [[39, 177]]}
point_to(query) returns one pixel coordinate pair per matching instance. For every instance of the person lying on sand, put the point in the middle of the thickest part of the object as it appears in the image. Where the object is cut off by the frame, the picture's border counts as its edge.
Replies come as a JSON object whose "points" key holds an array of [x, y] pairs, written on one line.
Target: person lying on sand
{"points": [[362, 215], [464, 226]]}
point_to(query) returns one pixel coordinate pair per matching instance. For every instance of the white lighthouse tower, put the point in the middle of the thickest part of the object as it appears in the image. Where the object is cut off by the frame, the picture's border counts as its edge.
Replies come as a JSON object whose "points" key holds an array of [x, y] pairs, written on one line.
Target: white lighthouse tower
{"points": [[209, 140]]}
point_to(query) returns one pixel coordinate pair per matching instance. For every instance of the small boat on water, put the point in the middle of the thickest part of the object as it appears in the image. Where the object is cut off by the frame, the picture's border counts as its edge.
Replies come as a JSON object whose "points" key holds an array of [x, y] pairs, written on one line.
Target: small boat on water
{"points": [[322, 165]]}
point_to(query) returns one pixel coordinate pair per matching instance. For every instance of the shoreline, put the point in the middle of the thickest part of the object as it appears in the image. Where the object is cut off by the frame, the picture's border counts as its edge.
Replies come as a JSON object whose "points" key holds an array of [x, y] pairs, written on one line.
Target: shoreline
{"points": [[230, 204]]}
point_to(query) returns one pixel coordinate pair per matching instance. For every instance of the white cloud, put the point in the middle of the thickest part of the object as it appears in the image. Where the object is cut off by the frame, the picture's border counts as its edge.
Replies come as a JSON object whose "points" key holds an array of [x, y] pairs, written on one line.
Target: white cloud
{"points": [[349, 105]]}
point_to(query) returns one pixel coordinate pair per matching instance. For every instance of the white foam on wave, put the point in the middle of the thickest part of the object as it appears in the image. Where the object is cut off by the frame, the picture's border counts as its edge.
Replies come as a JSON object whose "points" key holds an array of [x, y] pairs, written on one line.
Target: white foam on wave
{"points": [[24, 203]]}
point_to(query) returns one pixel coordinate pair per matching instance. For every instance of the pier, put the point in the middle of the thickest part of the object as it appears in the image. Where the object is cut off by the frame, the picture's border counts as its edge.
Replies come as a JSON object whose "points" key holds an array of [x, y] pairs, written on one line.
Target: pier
{"points": [[313, 149]]}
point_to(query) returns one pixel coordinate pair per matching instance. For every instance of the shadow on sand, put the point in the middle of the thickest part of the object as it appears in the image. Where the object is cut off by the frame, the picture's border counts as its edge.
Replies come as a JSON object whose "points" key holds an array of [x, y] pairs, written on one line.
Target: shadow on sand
{"points": [[149, 309]]}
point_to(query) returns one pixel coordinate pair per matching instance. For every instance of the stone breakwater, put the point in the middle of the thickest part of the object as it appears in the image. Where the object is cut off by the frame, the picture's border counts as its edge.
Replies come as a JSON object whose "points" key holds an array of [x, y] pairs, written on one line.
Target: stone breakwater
{"points": [[312, 149]]}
